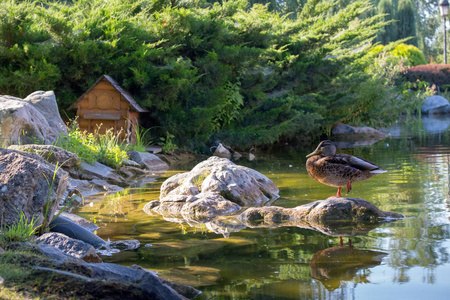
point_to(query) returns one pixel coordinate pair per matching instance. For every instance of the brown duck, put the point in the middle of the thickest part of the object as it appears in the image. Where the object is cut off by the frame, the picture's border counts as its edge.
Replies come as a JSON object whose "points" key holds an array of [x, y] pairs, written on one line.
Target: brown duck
{"points": [[327, 167]]}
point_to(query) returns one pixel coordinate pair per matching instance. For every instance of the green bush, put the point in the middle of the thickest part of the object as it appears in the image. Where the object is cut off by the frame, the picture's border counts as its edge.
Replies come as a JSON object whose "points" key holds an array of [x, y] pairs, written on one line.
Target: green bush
{"points": [[226, 70]]}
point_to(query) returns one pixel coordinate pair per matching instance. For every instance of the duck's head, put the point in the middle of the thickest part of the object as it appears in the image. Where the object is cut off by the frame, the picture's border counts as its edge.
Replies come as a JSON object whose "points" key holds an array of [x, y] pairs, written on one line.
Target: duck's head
{"points": [[325, 148]]}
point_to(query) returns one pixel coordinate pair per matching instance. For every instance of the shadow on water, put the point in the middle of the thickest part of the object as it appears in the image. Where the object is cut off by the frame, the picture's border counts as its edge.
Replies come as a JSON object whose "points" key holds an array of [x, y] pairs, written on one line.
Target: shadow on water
{"points": [[228, 259]]}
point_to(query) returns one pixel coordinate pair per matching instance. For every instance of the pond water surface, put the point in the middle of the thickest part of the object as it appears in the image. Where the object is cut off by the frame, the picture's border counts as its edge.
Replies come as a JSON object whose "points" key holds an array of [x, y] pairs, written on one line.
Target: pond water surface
{"points": [[405, 259]]}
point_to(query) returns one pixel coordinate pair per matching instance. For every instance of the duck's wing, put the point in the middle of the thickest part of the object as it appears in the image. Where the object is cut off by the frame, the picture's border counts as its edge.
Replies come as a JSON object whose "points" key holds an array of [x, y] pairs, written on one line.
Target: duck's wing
{"points": [[355, 162]]}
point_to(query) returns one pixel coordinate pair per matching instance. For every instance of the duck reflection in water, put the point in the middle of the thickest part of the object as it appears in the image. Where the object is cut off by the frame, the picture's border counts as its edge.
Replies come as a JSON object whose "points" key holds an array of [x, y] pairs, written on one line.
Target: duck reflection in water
{"points": [[335, 266]]}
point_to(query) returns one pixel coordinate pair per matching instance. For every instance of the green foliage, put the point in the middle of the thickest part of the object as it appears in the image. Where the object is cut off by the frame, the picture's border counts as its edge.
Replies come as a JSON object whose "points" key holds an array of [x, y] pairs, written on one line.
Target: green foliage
{"points": [[413, 55], [140, 139], [167, 142], [406, 21], [227, 70], [389, 32], [109, 148], [106, 148], [21, 231]]}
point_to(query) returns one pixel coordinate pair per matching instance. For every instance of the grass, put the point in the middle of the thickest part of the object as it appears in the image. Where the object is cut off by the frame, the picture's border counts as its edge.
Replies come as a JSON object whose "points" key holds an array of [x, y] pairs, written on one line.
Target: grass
{"points": [[106, 148], [22, 231]]}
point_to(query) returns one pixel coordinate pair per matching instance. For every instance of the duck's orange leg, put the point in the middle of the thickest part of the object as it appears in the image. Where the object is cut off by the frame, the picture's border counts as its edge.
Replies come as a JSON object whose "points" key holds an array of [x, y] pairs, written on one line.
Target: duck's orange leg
{"points": [[338, 193], [349, 186]]}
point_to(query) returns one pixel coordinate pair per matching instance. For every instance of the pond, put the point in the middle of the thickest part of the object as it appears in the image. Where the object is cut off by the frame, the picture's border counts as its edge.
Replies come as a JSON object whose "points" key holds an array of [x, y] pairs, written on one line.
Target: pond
{"points": [[405, 259]]}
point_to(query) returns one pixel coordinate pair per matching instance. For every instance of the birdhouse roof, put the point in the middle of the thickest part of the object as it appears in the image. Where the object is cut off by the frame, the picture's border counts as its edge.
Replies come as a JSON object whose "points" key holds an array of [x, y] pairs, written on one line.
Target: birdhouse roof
{"points": [[114, 83]]}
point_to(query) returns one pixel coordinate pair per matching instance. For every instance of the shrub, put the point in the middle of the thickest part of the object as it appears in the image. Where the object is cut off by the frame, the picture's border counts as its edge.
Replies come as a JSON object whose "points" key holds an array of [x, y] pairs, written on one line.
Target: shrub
{"points": [[438, 75]]}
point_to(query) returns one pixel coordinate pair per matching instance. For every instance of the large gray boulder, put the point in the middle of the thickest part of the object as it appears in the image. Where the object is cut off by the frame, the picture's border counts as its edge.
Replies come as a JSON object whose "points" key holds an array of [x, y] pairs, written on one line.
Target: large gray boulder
{"points": [[25, 185], [435, 105], [239, 184], [23, 121], [214, 187]]}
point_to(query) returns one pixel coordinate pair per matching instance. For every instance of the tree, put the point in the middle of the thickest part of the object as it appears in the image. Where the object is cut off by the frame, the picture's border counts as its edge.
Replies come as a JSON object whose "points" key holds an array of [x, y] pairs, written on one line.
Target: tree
{"points": [[389, 32], [406, 22]]}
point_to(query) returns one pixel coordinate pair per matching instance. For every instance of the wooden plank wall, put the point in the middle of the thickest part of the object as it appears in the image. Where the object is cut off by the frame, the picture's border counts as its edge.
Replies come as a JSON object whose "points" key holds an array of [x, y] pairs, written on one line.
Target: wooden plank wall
{"points": [[103, 108]]}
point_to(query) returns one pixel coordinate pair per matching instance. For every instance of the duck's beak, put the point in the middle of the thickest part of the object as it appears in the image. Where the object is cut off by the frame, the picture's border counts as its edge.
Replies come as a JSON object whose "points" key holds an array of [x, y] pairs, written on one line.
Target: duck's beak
{"points": [[314, 153]]}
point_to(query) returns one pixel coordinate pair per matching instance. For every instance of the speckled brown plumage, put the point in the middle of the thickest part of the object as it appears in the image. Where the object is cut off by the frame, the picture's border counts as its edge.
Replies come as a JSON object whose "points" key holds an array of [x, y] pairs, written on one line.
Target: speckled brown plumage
{"points": [[327, 167]]}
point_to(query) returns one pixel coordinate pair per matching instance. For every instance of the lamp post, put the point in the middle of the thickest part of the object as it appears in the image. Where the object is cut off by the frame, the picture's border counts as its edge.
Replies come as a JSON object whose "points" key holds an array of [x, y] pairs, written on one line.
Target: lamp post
{"points": [[443, 5]]}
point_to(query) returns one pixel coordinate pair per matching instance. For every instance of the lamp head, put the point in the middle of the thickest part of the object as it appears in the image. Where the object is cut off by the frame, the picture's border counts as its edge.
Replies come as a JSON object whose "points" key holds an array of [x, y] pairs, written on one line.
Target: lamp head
{"points": [[443, 6]]}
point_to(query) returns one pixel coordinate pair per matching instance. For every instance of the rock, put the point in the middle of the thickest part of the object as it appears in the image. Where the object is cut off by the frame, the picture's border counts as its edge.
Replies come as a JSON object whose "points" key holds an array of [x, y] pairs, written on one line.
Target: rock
{"points": [[55, 254], [333, 216], [105, 186], [223, 152], [235, 183], [435, 105], [130, 163], [117, 280], [366, 132], [25, 181], [103, 172], [1, 251], [214, 187], [206, 206], [251, 156], [149, 161], [23, 121], [52, 154], [76, 248], [117, 246], [80, 221], [75, 231], [124, 172]]}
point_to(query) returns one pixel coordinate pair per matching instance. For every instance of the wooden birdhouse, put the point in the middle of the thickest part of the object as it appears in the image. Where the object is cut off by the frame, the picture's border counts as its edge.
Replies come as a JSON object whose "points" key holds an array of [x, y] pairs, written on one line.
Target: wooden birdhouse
{"points": [[106, 105]]}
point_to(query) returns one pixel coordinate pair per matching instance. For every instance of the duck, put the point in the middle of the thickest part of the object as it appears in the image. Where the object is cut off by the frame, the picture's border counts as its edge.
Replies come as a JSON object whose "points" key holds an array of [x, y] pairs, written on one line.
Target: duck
{"points": [[338, 170]]}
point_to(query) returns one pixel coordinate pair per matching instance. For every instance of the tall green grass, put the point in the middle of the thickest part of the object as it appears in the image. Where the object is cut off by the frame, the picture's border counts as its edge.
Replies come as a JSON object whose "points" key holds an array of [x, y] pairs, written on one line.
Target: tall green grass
{"points": [[106, 148], [21, 231]]}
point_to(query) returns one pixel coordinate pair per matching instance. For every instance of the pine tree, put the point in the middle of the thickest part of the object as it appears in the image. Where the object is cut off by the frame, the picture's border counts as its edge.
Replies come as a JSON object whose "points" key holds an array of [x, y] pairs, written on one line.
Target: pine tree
{"points": [[389, 32], [406, 21]]}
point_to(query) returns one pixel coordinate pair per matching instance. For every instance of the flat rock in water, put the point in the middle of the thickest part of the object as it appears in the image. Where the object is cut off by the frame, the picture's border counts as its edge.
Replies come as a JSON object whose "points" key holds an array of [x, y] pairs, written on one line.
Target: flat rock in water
{"points": [[360, 132], [332, 216]]}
